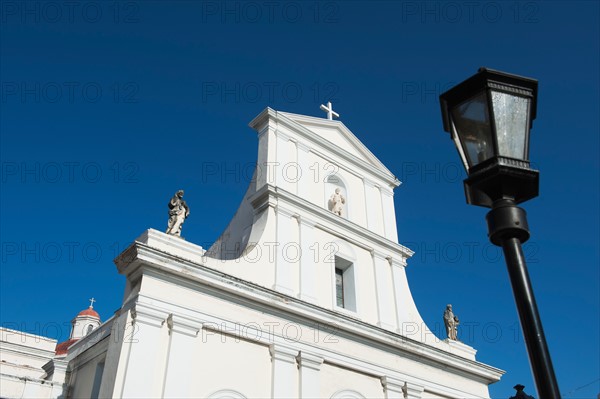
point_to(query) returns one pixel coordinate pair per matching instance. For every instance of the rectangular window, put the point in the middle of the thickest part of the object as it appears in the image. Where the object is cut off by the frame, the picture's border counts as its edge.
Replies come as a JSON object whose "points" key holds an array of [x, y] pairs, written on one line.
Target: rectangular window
{"points": [[339, 287], [345, 291]]}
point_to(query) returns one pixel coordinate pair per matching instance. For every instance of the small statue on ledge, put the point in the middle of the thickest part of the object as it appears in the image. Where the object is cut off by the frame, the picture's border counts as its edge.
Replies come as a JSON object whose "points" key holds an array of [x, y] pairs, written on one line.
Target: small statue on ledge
{"points": [[337, 202], [520, 393], [178, 212], [451, 322]]}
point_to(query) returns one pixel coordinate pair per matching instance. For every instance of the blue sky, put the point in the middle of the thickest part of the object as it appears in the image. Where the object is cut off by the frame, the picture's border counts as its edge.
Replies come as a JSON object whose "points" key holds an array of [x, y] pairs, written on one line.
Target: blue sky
{"points": [[108, 108]]}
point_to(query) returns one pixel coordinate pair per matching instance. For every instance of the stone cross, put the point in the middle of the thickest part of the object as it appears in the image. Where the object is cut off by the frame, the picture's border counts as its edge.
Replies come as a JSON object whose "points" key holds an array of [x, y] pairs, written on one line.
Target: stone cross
{"points": [[92, 300], [330, 112]]}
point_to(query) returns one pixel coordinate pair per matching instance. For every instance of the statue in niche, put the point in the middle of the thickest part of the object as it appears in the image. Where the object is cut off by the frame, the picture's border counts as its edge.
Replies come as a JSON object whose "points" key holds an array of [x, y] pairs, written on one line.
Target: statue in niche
{"points": [[337, 202], [451, 322], [178, 212]]}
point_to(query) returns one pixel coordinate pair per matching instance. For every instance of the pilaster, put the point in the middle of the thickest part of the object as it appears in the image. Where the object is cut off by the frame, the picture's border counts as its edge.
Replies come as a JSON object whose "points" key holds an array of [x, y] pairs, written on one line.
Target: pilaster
{"points": [[183, 335], [413, 391], [385, 297], [400, 287], [310, 377], [144, 367], [392, 387], [308, 266], [284, 372], [373, 207], [283, 156], [389, 214], [303, 186], [284, 279]]}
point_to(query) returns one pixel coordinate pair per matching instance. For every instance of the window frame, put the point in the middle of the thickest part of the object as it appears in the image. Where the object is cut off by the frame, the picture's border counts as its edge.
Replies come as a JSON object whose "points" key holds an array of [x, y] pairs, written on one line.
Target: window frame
{"points": [[349, 291]]}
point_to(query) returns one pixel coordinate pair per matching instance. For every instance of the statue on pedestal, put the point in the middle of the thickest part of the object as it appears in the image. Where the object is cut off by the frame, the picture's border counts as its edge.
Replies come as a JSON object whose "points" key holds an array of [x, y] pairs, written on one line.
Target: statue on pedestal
{"points": [[337, 201], [520, 393], [178, 212], [451, 322]]}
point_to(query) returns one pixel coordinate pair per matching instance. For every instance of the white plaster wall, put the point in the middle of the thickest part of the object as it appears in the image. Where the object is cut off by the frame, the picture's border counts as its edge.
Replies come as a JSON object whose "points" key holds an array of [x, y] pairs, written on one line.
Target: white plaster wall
{"points": [[256, 262], [227, 362], [14, 387], [332, 134], [292, 254], [235, 237], [314, 176], [83, 378], [28, 350], [335, 379], [328, 247], [356, 203], [231, 327], [121, 335]]}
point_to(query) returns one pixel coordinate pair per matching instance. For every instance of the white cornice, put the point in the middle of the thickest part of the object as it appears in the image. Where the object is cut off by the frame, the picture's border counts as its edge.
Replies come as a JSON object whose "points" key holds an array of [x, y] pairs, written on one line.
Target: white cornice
{"points": [[19, 349], [184, 272], [284, 199], [260, 119]]}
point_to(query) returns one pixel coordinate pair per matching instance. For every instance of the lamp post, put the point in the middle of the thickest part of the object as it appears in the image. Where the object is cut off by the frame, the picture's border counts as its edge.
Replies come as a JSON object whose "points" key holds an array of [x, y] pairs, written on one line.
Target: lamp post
{"points": [[489, 117]]}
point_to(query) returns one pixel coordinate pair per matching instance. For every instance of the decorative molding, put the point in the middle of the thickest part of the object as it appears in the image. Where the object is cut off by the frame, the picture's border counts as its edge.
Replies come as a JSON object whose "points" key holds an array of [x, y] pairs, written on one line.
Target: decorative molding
{"points": [[263, 118], [386, 191], [145, 315], [318, 213], [309, 361], [306, 221], [380, 255], [393, 387], [395, 262], [281, 135], [263, 199], [269, 195], [369, 183], [413, 391], [286, 212], [280, 352], [182, 325], [302, 146]]}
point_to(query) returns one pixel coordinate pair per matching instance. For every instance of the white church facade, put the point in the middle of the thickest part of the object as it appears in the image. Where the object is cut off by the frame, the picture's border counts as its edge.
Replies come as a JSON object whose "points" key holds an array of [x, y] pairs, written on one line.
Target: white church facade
{"points": [[304, 295]]}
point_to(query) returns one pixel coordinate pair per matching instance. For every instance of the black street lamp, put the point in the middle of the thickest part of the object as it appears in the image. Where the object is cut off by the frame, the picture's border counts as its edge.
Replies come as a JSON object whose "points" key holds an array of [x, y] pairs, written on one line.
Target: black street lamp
{"points": [[489, 117]]}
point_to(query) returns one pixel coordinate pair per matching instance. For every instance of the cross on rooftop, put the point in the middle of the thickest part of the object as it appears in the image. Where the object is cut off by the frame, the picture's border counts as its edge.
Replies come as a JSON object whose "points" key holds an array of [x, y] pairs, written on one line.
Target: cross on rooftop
{"points": [[92, 300], [330, 112]]}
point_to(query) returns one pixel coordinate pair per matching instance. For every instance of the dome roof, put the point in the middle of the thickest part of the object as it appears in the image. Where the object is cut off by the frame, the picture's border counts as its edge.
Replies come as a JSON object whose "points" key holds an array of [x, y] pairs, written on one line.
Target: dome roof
{"points": [[89, 312], [63, 347]]}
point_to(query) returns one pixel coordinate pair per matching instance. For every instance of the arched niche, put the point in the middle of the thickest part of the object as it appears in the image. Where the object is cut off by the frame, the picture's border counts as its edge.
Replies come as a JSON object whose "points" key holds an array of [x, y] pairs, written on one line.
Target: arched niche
{"points": [[333, 182], [347, 394], [227, 394]]}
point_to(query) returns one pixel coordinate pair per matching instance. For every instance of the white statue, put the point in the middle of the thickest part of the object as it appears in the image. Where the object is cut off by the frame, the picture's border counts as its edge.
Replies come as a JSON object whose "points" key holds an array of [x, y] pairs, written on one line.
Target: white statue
{"points": [[337, 201], [178, 212], [451, 322]]}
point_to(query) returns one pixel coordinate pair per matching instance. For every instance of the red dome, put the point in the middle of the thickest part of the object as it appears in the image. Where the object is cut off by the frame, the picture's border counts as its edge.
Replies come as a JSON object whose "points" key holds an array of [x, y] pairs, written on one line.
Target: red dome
{"points": [[89, 312], [63, 347]]}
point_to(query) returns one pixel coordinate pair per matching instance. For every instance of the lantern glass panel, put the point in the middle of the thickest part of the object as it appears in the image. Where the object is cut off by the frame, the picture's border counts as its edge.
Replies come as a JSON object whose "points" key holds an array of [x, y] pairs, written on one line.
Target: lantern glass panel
{"points": [[472, 123], [511, 118]]}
